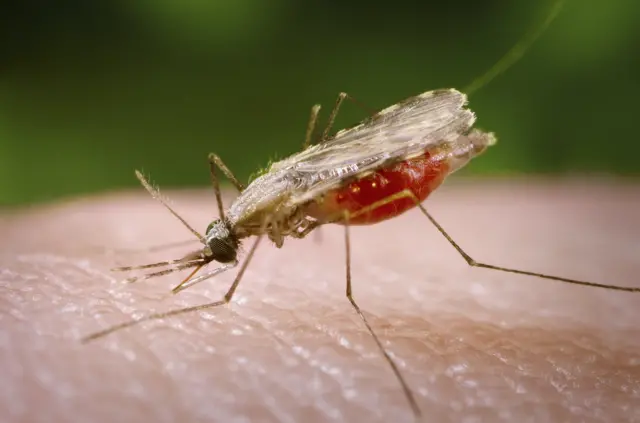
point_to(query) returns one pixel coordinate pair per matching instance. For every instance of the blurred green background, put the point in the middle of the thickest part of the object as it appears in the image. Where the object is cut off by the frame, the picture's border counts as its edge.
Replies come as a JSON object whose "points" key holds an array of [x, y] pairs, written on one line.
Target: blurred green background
{"points": [[89, 91]]}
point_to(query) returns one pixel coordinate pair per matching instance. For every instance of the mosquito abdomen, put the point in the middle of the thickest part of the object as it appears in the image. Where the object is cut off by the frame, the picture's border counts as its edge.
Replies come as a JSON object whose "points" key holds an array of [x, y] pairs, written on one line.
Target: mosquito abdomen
{"points": [[421, 175]]}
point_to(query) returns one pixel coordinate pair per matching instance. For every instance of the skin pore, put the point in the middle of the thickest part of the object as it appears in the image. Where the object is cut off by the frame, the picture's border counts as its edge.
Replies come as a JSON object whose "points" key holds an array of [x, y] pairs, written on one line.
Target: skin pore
{"points": [[473, 344]]}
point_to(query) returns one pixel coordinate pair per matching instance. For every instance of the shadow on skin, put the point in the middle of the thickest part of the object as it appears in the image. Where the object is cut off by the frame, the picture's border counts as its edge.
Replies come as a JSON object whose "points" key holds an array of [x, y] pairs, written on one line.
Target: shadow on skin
{"points": [[471, 343]]}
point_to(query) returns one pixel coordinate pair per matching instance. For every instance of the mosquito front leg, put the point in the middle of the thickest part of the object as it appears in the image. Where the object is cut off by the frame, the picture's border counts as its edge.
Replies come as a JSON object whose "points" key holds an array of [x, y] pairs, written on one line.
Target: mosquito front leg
{"points": [[275, 235], [225, 300], [405, 387], [155, 193], [216, 162]]}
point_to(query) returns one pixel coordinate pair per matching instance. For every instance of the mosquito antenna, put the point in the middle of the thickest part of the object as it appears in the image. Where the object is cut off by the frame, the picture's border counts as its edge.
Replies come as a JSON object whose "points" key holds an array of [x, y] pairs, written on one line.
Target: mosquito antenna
{"points": [[155, 193], [517, 51]]}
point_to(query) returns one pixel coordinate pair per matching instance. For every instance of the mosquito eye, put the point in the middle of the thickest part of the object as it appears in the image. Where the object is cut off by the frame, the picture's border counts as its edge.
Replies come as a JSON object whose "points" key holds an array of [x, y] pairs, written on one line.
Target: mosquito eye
{"points": [[223, 251]]}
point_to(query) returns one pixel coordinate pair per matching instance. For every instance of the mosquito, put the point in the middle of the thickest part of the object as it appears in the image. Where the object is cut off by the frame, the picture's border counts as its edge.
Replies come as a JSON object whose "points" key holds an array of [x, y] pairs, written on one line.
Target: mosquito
{"points": [[374, 171]]}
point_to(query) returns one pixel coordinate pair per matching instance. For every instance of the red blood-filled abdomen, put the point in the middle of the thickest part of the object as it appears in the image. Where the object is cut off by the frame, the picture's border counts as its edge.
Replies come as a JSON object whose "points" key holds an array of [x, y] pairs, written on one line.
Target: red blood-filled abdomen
{"points": [[420, 175]]}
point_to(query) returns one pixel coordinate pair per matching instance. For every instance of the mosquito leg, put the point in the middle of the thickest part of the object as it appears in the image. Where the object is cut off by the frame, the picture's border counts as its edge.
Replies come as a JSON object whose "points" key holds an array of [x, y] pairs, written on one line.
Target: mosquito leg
{"points": [[310, 128], [313, 119], [156, 195], [216, 161], [336, 108], [408, 194], [407, 391], [304, 232], [332, 116], [225, 300], [471, 262], [313, 225]]}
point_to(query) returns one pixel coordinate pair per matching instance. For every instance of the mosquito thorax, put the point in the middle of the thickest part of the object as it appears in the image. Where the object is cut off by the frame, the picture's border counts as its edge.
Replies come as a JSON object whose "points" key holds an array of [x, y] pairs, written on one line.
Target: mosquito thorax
{"points": [[222, 244]]}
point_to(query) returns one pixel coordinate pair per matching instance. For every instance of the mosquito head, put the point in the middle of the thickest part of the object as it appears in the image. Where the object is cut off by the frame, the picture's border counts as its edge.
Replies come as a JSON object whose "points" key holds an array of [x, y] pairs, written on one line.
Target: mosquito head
{"points": [[222, 244]]}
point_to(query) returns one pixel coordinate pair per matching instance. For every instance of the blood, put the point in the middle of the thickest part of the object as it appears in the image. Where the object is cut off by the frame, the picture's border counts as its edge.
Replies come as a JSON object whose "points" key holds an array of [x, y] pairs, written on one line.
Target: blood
{"points": [[420, 175]]}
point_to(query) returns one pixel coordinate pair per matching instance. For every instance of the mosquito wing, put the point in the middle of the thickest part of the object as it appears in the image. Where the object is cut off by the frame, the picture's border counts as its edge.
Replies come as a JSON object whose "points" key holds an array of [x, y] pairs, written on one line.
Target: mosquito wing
{"points": [[398, 132]]}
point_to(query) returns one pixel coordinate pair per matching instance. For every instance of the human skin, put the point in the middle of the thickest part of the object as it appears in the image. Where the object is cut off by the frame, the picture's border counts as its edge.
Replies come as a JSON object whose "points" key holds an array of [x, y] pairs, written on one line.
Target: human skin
{"points": [[473, 344]]}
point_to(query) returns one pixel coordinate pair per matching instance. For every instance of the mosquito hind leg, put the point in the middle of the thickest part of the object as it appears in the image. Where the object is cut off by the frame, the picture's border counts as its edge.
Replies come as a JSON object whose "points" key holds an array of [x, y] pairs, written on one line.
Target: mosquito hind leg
{"points": [[473, 263], [349, 292], [470, 261], [214, 162]]}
